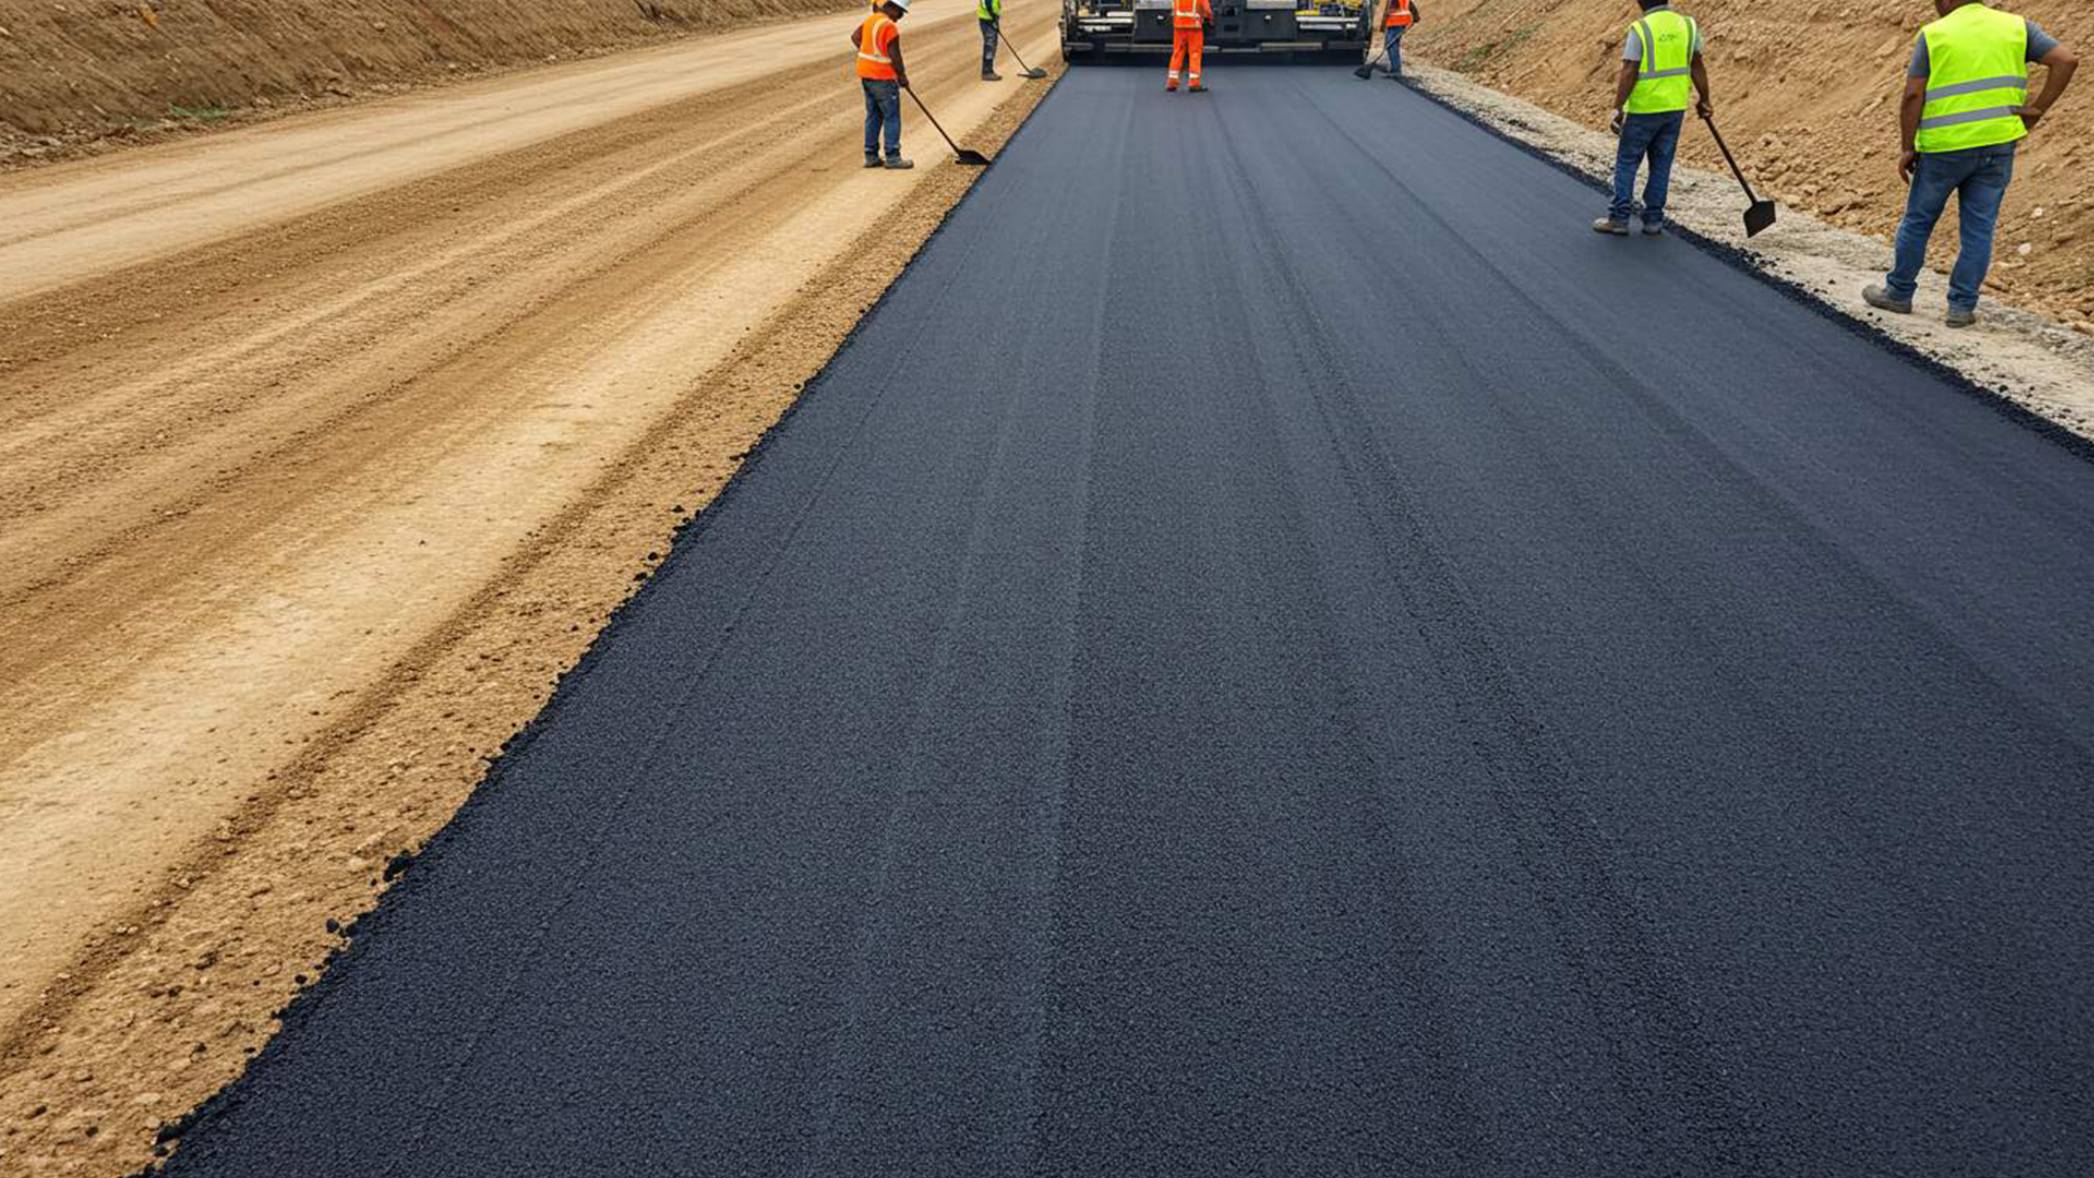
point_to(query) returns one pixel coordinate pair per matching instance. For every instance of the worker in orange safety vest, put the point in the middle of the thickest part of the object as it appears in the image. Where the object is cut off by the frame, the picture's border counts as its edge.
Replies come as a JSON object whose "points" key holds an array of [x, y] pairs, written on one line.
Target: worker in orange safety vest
{"points": [[1188, 38], [882, 75], [1397, 21]]}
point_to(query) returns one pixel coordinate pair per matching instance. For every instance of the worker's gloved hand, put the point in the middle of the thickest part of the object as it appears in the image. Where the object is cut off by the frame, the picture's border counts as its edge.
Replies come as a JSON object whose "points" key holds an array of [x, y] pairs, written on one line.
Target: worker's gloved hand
{"points": [[1908, 163], [1705, 108], [1621, 117]]}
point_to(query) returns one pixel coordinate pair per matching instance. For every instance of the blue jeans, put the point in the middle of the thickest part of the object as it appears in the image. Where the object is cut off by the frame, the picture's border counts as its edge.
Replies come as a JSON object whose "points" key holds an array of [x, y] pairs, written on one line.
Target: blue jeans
{"points": [[989, 34], [1653, 137], [883, 110], [1392, 41], [1979, 178]]}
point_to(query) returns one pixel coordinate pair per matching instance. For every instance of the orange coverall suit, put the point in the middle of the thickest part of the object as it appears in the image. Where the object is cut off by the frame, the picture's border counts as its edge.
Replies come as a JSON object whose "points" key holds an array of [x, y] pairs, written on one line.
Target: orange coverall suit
{"points": [[1188, 21]]}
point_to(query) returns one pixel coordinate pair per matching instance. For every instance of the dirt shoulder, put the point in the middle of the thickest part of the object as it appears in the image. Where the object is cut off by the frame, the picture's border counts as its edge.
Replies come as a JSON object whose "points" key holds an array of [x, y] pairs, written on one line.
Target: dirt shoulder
{"points": [[83, 77], [308, 518], [1807, 95], [2031, 359]]}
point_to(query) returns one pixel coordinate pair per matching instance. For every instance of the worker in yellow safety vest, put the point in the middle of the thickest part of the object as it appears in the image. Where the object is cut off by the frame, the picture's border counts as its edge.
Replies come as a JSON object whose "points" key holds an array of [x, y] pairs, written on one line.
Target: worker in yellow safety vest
{"points": [[882, 75], [1966, 106], [1661, 71], [1395, 22], [989, 13], [1188, 39]]}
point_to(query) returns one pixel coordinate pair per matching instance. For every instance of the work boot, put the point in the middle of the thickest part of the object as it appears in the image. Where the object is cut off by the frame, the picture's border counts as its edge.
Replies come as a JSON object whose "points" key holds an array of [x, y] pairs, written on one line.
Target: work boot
{"points": [[1611, 226], [1197, 88], [991, 76], [897, 163], [1876, 296], [1958, 317], [872, 159], [1654, 228]]}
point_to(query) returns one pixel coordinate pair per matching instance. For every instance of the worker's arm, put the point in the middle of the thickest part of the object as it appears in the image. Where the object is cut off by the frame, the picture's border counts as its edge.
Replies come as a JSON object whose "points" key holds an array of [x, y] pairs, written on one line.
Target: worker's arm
{"points": [[1417, 15], [855, 34], [1909, 109], [2059, 65], [901, 71], [1624, 85], [1707, 104]]}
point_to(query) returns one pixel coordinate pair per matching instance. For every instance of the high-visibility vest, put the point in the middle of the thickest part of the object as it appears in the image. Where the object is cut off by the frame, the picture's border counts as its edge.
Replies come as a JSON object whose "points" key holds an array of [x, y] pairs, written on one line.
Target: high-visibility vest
{"points": [[875, 41], [1399, 15], [988, 9], [1665, 76], [1185, 14], [1977, 73]]}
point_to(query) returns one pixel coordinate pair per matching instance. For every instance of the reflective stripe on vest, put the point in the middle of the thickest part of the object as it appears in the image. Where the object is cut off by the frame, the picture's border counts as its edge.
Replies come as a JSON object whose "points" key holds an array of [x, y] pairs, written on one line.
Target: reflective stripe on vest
{"points": [[873, 61], [1664, 78], [1978, 72], [988, 9], [1399, 15], [1185, 14]]}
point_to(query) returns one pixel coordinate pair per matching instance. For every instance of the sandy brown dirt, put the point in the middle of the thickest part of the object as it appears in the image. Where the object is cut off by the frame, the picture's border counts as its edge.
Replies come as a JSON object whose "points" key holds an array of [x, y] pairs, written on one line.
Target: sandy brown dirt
{"points": [[309, 507], [75, 73], [2027, 357], [1807, 93]]}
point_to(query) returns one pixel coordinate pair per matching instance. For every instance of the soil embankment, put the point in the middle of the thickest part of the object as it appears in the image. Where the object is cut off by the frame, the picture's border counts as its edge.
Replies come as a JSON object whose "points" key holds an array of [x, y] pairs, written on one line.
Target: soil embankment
{"points": [[83, 71], [1808, 95]]}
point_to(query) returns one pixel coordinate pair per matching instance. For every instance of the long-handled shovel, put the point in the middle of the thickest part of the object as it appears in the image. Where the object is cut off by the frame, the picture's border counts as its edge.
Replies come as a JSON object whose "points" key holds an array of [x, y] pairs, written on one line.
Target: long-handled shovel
{"points": [[1760, 216], [1003, 41], [960, 155]]}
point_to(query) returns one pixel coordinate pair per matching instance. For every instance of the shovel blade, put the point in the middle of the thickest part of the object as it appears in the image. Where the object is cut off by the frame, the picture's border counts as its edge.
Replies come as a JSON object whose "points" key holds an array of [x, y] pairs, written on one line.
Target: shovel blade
{"points": [[1759, 218], [970, 159], [1365, 71], [1036, 73]]}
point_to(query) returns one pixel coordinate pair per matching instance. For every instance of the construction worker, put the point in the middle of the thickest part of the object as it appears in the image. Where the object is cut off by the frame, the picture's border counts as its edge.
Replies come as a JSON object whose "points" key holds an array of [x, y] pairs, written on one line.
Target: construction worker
{"points": [[1651, 96], [1966, 107], [883, 76], [1395, 22], [1188, 38], [989, 13]]}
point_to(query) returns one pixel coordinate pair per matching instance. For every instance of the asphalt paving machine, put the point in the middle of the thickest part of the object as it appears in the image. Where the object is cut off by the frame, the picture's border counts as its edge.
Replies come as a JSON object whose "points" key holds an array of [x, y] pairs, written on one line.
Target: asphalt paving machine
{"points": [[1093, 30]]}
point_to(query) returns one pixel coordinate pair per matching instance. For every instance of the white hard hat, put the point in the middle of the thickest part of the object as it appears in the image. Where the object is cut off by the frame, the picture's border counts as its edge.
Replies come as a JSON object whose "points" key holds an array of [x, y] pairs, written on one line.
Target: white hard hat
{"points": [[901, 4]]}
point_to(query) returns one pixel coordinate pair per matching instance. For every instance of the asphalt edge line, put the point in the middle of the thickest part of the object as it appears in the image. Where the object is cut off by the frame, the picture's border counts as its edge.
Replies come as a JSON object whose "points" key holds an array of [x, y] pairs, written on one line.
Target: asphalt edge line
{"points": [[1743, 259], [401, 882]]}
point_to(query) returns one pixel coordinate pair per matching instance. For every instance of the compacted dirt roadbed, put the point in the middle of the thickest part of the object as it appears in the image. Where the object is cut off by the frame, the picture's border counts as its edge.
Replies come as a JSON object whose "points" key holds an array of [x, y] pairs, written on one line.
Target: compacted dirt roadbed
{"points": [[1471, 698], [325, 446]]}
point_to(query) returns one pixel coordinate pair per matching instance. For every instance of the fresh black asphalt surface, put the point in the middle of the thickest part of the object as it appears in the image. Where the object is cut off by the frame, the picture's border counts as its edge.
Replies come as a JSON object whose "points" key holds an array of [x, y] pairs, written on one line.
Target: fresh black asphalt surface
{"points": [[1278, 651]]}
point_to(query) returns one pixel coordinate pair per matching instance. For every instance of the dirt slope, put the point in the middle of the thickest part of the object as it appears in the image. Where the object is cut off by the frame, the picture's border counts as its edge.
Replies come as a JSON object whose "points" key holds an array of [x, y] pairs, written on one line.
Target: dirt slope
{"points": [[78, 69], [326, 446], [1807, 93]]}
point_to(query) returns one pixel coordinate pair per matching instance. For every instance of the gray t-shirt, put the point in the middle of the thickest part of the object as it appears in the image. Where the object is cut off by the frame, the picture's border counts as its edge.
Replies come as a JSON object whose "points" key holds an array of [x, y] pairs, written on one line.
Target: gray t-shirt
{"points": [[1633, 50], [2040, 45]]}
